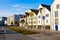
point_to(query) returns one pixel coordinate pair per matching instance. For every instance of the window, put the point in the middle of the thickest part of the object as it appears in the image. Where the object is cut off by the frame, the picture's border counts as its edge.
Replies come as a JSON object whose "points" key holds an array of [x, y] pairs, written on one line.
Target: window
{"points": [[39, 16], [46, 21], [32, 14], [56, 13], [39, 21], [47, 15], [31, 22], [34, 21], [31, 18], [56, 21], [57, 6]]}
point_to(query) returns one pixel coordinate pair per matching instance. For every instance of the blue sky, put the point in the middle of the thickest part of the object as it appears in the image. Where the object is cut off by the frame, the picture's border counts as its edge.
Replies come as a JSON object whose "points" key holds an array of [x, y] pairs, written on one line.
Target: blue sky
{"points": [[8, 7]]}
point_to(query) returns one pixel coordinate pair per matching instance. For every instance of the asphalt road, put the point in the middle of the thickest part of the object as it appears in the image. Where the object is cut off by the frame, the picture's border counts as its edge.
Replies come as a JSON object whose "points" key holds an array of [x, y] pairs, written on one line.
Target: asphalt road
{"points": [[6, 34], [4, 30]]}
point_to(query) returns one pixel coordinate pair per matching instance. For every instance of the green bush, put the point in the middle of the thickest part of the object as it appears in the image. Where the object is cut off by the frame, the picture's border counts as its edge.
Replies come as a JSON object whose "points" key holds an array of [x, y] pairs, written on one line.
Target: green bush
{"points": [[23, 31]]}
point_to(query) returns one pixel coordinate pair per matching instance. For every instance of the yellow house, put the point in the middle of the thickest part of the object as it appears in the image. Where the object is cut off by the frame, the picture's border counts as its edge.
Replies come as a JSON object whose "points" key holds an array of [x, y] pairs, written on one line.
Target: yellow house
{"points": [[32, 18]]}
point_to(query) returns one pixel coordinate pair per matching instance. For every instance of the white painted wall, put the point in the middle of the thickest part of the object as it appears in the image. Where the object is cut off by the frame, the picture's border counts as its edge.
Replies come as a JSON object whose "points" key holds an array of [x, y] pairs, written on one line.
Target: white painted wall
{"points": [[44, 12], [53, 9], [39, 19]]}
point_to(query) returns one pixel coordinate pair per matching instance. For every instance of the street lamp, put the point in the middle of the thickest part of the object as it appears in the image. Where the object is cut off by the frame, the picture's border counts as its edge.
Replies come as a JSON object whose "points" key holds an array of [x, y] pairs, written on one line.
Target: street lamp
{"points": [[43, 17]]}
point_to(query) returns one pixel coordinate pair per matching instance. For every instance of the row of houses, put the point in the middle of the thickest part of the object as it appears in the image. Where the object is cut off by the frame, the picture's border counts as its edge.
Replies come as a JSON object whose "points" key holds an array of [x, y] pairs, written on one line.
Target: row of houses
{"points": [[46, 16], [34, 17], [13, 20]]}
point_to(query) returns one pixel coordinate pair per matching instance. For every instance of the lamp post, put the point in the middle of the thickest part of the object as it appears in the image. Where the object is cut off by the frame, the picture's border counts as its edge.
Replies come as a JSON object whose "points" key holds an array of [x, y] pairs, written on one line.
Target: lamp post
{"points": [[43, 17]]}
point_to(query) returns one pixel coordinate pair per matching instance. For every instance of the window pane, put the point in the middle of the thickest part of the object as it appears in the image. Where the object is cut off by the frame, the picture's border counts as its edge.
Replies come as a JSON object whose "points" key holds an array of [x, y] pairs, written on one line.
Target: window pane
{"points": [[39, 21], [57, 6], [47, 21], [34, 21], [56, 21], [56, 13], [39, 16], [47, 15]]}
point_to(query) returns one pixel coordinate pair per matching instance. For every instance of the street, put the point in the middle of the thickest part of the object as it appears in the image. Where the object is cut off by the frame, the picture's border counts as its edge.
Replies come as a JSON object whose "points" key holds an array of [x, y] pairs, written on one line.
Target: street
{"points": [[5, 30], [6, 34]]}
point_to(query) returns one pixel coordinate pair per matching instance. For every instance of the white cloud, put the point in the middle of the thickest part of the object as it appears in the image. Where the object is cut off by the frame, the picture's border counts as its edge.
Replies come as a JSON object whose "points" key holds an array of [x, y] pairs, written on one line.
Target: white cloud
{"points": [[15, 5], [22, 8], [17, 9]]}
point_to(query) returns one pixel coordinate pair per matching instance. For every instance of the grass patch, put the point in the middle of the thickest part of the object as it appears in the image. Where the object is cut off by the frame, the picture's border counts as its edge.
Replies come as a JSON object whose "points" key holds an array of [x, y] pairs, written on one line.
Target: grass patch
{"points": [[23, 31]]}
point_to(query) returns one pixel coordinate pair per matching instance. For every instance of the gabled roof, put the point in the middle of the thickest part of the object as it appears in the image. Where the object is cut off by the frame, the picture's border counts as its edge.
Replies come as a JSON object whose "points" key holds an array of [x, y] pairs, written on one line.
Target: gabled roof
{"points": [[23, 16], [27, 14], [47, 6], [34, 10]]}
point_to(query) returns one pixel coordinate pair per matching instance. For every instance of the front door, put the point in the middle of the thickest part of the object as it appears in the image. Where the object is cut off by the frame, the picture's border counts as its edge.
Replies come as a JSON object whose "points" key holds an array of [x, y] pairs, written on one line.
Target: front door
{"points": [[56, 27]]}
